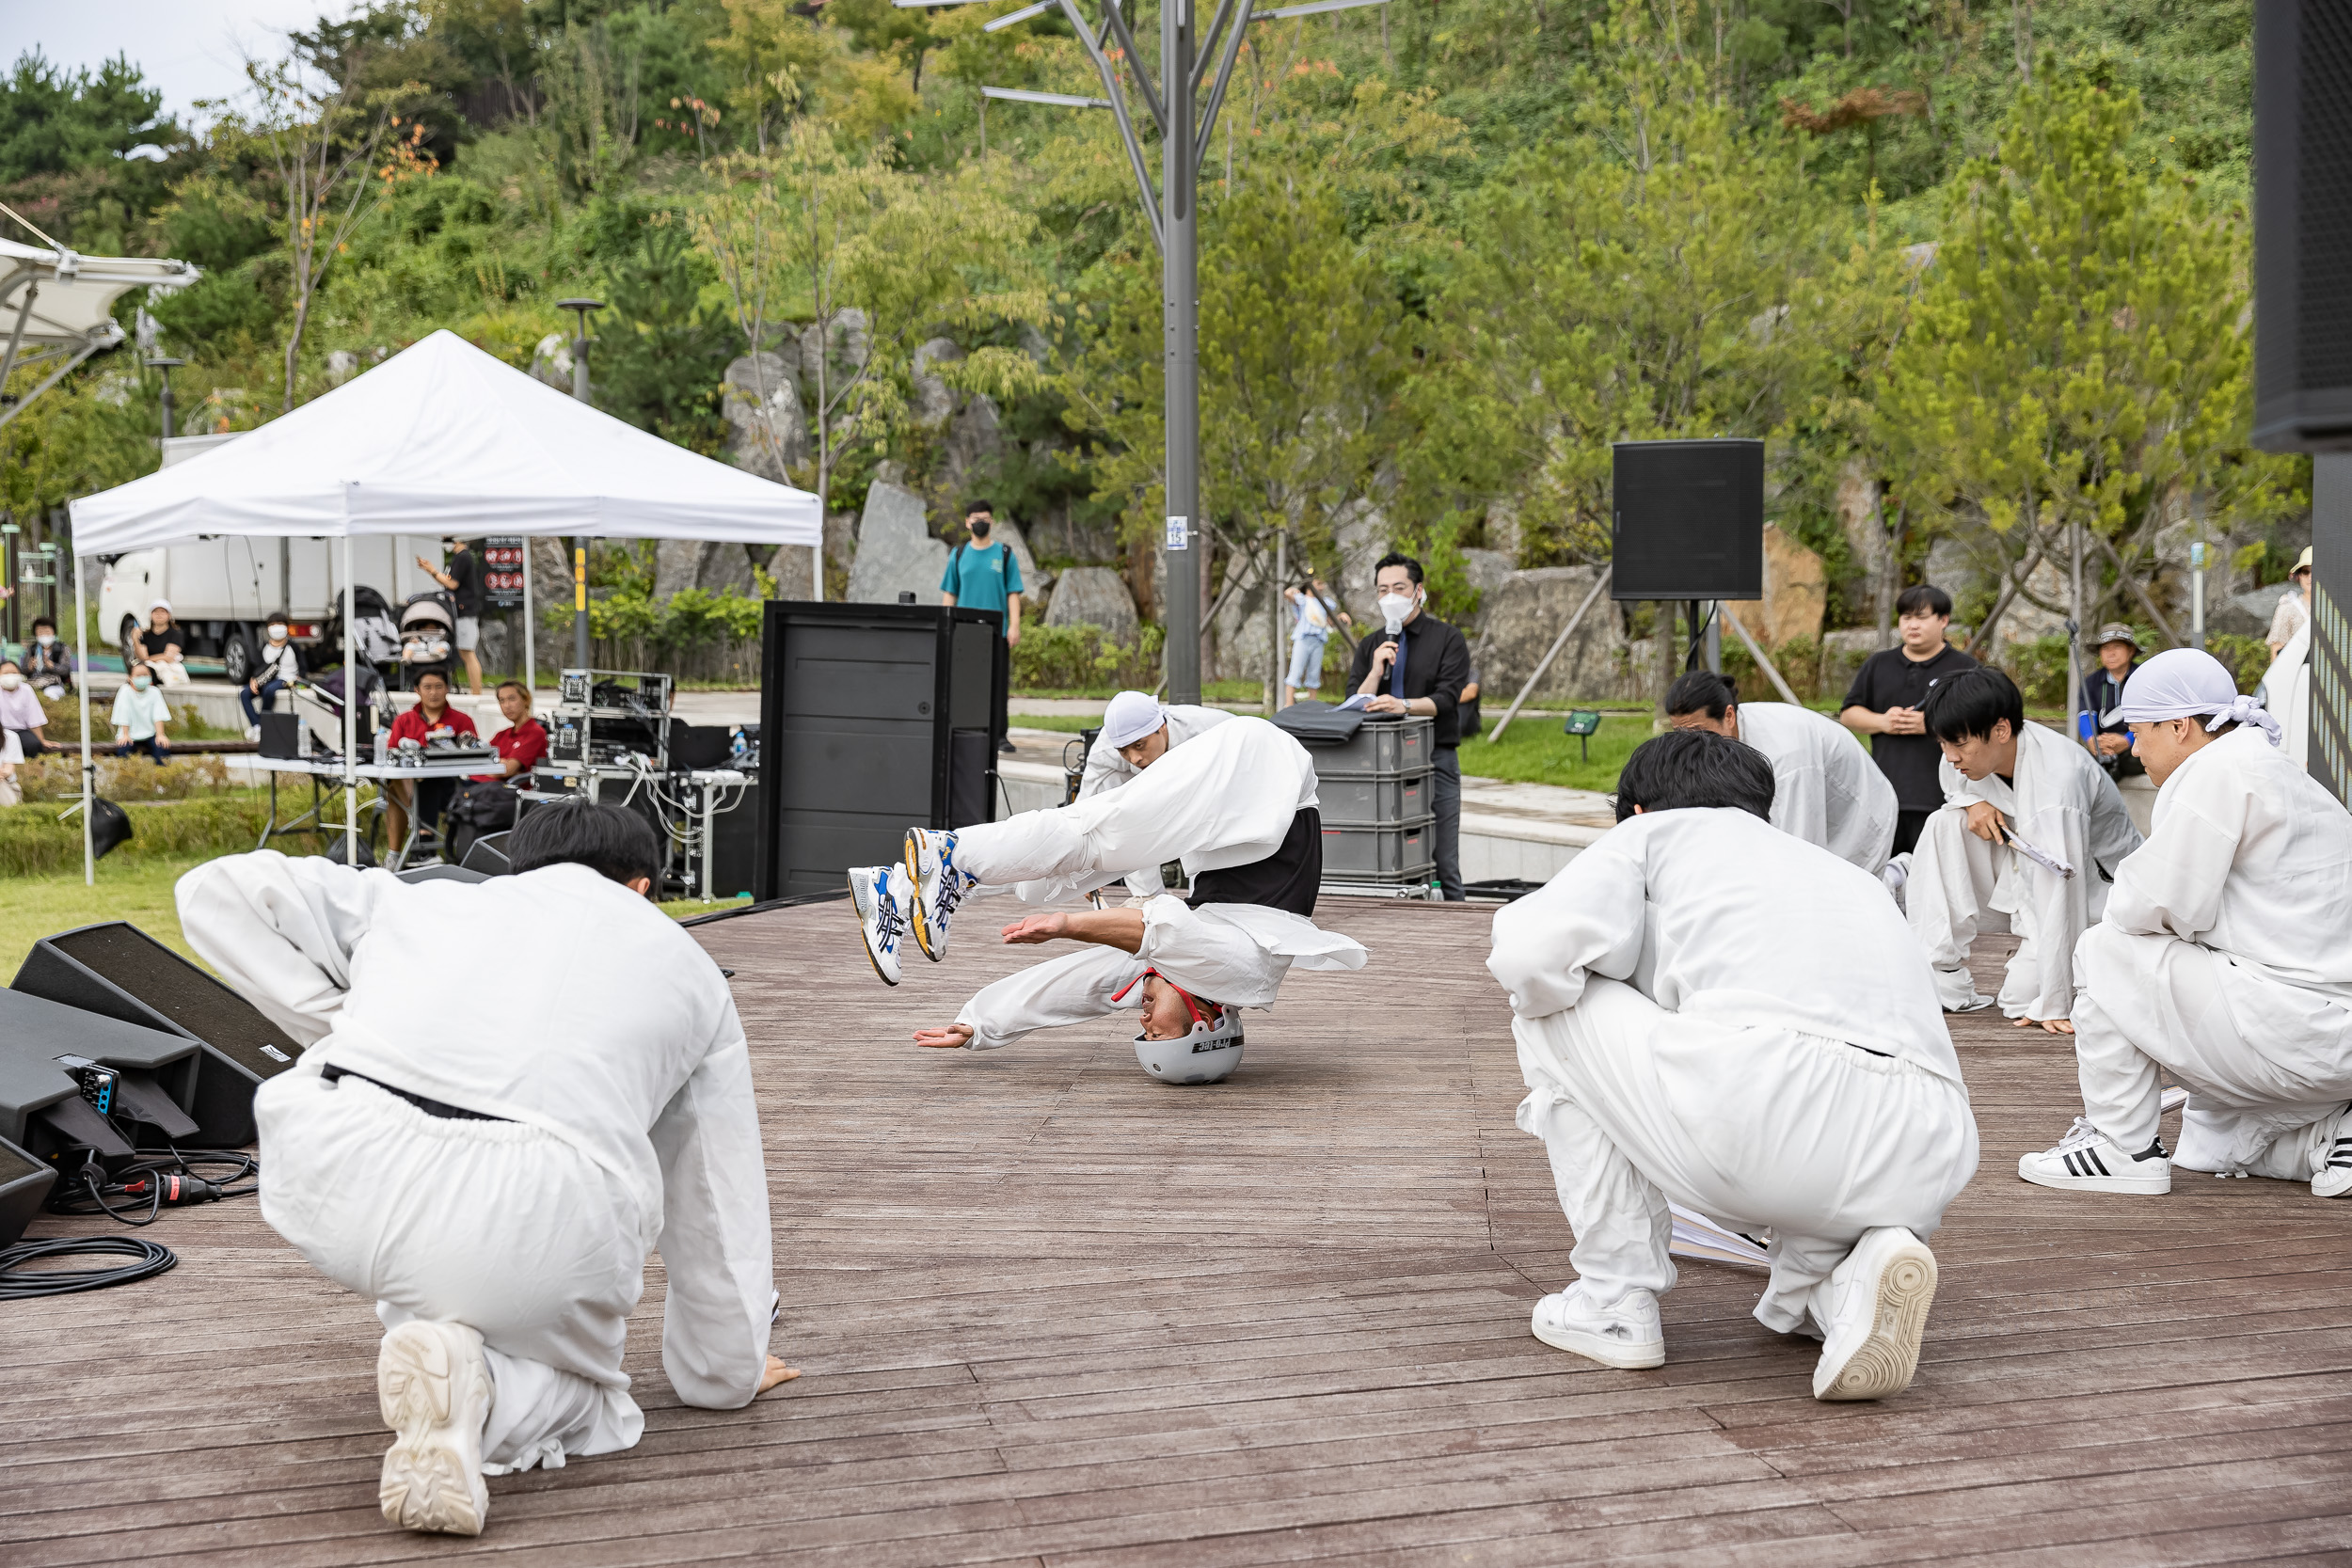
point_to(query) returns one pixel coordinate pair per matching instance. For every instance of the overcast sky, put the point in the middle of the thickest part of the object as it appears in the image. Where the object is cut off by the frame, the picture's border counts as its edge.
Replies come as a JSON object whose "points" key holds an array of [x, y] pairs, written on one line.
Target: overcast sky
{"points": [[191, 49]]}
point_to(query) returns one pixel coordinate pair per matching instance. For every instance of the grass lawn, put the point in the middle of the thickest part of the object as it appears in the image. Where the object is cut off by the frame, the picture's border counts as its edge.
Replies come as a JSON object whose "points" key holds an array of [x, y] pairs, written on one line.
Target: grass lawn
{"points": [[1534, 751]]}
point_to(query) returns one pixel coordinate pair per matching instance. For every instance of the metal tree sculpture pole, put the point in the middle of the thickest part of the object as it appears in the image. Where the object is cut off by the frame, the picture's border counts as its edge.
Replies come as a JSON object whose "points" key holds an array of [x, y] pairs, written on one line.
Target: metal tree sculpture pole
{"points": [[1185, 58]]}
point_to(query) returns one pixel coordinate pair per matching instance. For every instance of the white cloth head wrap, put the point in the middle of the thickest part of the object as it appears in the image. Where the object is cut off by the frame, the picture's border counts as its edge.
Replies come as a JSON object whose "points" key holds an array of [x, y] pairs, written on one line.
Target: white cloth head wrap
{"points": [[1132, 715], [2188, 683]]}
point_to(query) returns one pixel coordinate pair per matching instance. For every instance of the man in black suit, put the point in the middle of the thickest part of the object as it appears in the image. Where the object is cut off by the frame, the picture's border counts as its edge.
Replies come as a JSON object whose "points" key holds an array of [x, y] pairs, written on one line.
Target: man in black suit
{"points": [[1421, 668]]}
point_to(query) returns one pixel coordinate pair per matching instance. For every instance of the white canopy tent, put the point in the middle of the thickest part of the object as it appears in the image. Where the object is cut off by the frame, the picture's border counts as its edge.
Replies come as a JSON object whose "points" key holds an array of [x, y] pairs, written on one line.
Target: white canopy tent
{"points": [[57, 307], [441, 439]]}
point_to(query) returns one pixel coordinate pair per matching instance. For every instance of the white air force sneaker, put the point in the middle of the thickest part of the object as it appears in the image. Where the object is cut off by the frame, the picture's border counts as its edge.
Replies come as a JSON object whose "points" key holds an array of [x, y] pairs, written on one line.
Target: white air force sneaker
{"points": [[1628, 1335], [1876, 1310]]}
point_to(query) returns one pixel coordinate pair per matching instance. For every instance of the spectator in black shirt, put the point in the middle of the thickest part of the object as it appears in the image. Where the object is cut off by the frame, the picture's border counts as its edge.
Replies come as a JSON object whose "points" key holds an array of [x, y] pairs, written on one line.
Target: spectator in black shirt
{"points": [[1884, 701], [163, 645], [1421, 670], [464, 581], [2103, 693]]}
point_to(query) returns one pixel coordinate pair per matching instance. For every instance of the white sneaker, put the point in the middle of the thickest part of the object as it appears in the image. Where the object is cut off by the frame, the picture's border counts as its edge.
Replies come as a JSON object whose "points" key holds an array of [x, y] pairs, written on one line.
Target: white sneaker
{"points": [[433, 1384], [2335, 1163], [1878, 1309], [1893, 876], [881, 895], [1628, 1335], [939, 887], [253, 732], [2087, 1161]]}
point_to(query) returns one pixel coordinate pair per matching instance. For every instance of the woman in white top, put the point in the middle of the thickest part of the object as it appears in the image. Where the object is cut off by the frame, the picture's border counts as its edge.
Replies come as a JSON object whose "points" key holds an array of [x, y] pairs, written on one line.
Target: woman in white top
{"points": [[2294, 611]]}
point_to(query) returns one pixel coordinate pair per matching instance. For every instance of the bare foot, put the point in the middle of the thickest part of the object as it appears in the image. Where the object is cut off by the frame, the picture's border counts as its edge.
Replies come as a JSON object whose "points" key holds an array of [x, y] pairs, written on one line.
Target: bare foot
{"points": [[777, 1372], [955, 1037], [2049, 1026]]}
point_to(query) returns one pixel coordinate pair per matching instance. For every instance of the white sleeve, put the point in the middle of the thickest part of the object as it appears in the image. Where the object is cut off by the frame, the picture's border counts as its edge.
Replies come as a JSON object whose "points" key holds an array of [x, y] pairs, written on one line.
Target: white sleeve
{"points": [[1071, 989], [1589, 919], [2113, 835], [1801, 798], [716, 1245], [2171, 886], [281, 931], [1105, 769]]}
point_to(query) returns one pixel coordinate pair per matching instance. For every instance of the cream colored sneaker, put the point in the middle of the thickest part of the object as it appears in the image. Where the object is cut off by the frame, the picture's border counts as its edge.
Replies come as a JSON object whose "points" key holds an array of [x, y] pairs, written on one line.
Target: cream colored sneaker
{"points": [[433, 1384], [1878, 1310], [1627, 1335]]}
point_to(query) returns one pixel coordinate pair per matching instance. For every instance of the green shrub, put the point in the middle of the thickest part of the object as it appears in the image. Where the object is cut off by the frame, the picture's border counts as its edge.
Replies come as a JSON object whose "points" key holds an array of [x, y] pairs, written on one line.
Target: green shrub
{"points": [[2039, 668], [34, 842], [1080, 658], [2247, 658]]}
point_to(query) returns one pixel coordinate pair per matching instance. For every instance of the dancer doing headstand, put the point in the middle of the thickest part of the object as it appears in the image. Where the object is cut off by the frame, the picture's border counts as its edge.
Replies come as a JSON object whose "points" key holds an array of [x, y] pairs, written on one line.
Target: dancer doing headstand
{"points": [[1236, 805], [1715, 1013], [2225, 959]]}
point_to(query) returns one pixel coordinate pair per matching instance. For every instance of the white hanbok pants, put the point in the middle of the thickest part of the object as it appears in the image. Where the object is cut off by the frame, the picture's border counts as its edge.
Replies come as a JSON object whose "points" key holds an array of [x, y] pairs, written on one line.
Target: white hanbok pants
{"points": [[1213, 961], [2267, 1067], [1051, 851], [500, 1227], [1757, 1128], [1948, 900]]}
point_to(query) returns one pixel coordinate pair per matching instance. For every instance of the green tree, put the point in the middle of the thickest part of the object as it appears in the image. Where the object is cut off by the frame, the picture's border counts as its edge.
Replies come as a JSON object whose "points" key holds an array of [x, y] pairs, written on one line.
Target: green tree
{"points": [[662, 368], [2079, 355], [53, 123]]}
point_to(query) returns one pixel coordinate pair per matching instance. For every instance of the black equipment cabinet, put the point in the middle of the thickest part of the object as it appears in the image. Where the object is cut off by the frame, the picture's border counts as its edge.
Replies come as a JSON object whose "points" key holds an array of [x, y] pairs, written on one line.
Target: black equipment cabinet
{"points": [[1687, 520], [873, 718]]}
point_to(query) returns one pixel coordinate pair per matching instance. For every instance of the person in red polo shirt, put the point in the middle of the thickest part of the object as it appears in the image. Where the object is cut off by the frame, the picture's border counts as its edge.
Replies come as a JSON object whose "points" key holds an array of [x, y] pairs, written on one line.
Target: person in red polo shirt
{"points": [[523, 744], [431, 720]]}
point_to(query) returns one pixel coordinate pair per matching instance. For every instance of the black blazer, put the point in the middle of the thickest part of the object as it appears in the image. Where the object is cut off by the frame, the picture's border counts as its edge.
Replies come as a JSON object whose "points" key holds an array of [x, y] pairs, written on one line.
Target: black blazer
{"points": [[1437, 666]]}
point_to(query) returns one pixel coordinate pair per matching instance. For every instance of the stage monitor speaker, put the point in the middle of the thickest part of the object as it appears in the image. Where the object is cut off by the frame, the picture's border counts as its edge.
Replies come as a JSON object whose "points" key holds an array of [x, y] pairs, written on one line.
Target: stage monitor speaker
{"points": [[1689, 520], [35, 1031], [488, 854], [2303, 225], [735, 845], [24, 1184], [120, 971], [860, 705]]}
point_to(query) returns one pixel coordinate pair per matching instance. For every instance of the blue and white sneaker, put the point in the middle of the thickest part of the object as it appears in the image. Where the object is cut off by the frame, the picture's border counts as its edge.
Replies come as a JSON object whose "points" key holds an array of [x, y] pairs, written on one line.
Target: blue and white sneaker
{"points": [[881, 895], [939, 887]]}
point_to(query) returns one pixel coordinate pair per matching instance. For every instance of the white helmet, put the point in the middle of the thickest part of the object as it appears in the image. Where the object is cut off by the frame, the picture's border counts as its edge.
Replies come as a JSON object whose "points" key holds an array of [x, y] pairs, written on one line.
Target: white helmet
{"points": [[1205, 1053]]}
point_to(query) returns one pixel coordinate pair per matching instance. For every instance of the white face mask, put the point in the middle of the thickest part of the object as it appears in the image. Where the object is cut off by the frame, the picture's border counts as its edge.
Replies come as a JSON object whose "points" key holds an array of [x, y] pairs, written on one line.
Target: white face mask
{"points": [[1394, 608], [10, 681], [46, 638], [139, 683], [278, 634]]}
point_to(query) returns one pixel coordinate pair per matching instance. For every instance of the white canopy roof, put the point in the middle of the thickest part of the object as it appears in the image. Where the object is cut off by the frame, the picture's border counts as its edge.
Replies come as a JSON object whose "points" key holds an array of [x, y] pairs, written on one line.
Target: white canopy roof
{"points": [[75, 293], [443, 439]]}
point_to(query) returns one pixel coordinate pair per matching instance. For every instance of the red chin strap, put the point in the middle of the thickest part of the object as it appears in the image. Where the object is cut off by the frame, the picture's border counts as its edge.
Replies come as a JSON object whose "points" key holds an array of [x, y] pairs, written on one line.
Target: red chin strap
{"points": [[1198, 1017]]}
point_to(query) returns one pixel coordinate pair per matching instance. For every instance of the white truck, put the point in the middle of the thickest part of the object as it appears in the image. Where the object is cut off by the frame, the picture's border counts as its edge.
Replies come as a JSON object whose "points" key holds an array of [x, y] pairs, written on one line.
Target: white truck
{"points": [[221, 590]]}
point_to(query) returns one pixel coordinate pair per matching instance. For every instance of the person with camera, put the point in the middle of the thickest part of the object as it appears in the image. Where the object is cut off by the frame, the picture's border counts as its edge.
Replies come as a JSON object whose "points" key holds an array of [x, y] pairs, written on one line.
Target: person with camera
{"points": [[278, 666], [1419, 665]]}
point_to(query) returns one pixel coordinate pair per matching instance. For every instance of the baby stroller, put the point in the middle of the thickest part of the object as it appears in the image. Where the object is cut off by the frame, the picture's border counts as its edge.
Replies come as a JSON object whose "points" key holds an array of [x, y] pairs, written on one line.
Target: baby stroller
{"points": [[428, 636], [375, 636]]}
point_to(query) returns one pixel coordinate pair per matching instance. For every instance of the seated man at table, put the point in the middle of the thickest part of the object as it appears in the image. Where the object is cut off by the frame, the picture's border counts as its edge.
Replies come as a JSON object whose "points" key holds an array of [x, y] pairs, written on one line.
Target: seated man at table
{"points": [[431, 720], [141, 716]]}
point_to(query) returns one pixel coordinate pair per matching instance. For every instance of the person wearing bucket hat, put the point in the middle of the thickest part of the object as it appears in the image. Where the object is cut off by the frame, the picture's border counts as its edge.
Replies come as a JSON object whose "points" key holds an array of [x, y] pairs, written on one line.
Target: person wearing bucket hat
{"points": [[2117, 648], [2220, 959], [2294, 610]]}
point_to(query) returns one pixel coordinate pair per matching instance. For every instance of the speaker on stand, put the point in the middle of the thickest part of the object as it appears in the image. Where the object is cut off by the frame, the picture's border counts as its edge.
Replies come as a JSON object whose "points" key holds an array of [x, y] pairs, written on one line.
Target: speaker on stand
{"points": [[1686, 524]]}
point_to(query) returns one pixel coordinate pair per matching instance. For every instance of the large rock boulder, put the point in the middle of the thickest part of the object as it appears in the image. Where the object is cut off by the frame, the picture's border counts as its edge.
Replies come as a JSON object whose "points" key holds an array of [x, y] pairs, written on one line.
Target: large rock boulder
{"points": [[896, 553], [1096, 596], [850, 340], [1524, 613], [1796, 592], [710, 566], [765, 431], [935, 402], [552, 362]]}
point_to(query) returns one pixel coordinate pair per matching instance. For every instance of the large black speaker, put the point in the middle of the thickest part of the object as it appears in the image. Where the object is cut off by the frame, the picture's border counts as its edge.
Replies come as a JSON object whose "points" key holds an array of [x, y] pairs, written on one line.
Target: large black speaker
{"points": [[42, 1108], [120, 971], [2303, 225], [1687, 520], [25, 1183], [2331, 656], [861, 707]]}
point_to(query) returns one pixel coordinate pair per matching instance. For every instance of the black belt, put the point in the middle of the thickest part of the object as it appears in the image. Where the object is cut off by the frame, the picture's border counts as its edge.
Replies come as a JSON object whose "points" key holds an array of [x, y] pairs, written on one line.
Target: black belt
{"points": [[429, 1107]]}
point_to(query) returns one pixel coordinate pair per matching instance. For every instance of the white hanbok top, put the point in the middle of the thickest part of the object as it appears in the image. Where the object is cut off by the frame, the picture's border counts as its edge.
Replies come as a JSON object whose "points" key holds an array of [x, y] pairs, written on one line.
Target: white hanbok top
{"points": [[1107, 770], [2287, 693], [559, 999], [2064, 804], [1718, 914], [1826, 788], [2252, 857]]}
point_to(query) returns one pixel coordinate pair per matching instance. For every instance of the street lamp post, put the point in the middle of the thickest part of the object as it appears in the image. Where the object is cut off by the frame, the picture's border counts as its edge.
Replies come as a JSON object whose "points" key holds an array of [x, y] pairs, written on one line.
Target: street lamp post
{"points": [[166, 364], [1184, 56], [579, 541]]}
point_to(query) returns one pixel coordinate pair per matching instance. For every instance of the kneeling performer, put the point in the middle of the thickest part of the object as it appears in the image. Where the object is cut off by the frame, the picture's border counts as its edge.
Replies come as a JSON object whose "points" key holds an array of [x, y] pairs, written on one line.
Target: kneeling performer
{"points": [[1236, 805], [2031, 830], [1713, 1012], [492, 1170], [2225, 959]]}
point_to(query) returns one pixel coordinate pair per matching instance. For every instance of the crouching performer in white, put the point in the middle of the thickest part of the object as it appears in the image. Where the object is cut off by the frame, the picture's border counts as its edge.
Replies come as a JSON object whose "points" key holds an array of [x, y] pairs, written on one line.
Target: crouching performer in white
{"points": [[1235, 803], [2225, 959], [1826, 789], [512, 1091], [1714, 1013], [2030, 834]]}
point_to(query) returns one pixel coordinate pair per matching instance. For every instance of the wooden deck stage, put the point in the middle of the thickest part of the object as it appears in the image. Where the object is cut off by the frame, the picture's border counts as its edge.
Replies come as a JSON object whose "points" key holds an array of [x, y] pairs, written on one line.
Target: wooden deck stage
{"points": [[1053, 1313]]}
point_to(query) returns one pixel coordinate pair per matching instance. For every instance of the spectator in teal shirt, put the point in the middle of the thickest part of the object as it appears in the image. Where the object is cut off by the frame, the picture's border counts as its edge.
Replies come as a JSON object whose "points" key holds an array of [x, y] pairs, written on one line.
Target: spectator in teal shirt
{"points": [[983, 574]]}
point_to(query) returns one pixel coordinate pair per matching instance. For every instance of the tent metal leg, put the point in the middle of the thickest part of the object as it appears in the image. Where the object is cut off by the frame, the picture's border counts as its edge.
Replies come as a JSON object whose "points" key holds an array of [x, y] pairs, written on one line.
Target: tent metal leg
{"points": [[90, 768], [351, 713]]}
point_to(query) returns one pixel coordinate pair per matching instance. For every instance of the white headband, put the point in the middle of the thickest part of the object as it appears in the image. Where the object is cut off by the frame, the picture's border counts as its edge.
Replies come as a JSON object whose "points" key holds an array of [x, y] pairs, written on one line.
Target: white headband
{"points": [[2188, 683]]}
